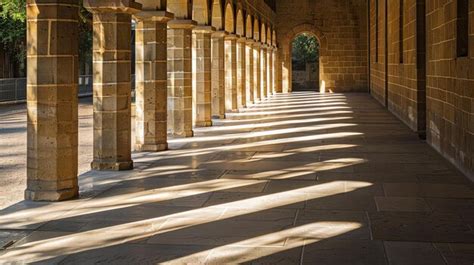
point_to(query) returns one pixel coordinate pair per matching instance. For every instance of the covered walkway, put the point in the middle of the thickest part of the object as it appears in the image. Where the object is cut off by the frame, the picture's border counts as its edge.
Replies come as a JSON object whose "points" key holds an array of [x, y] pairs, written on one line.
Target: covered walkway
{"points": [[301, 177]]}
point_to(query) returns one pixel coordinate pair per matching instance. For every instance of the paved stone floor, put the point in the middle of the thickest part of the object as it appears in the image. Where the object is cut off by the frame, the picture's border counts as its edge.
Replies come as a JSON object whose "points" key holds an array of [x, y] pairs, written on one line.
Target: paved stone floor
{"points": [[301, 178], [13, 148]]}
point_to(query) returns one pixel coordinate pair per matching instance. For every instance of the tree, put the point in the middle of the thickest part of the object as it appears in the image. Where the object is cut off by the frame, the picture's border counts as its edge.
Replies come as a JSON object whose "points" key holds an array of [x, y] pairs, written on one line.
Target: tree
{"points": [[305, 50], [13, 30]]}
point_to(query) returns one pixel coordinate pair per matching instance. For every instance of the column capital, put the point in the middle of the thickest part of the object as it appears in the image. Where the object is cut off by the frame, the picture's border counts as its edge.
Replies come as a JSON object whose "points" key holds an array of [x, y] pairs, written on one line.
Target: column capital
{"points": [[231, 37], [219, 34], [182, 24], [242, 40], [257, 44], [204, 29], [155, 16], [250, 41], [113, 6]]}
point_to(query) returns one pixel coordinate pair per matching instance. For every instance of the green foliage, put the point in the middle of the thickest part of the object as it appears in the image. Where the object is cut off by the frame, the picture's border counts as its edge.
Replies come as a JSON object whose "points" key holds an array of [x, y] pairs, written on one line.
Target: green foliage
{"points": [[305, 50], [13, 32], [85, 38], [13, 29]]}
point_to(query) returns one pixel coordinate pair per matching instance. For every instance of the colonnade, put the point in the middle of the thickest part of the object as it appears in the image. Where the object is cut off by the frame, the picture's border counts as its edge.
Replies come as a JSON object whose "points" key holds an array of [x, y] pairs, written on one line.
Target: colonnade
{"points": [[187, 73]]}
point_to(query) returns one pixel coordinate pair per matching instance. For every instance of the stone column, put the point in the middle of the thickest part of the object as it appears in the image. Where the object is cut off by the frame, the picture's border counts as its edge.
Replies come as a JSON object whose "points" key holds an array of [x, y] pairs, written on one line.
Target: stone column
{"points": [[263, 68], [112, 83], [202, 75], [230, 73], [52, 76], [241, 91], [256, 71], [180, 104], [278, 70], [274, 70], [218, 75], [249, 84], [269, 71], [151, 81]]}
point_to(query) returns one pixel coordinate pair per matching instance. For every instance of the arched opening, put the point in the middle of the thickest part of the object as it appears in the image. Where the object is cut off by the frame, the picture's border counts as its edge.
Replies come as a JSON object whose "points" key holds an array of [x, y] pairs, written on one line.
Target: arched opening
{"points": [[269, 35], [240, 27], [256, 30], [200, 12], [178, 7], [216, 15], [263, 35], [305, 62], [229, 19], [248, 27]]}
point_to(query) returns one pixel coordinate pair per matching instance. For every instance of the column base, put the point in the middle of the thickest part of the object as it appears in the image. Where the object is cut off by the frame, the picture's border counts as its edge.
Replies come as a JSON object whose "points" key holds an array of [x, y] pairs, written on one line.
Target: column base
{"points": [[183, 135], [53, 195], [151, 147], [218, 117], [203, 124], [112, 166]]}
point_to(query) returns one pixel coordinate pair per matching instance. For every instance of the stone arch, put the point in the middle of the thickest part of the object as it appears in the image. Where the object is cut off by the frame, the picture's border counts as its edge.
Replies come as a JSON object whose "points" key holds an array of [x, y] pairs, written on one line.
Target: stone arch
{"points": [[274, 38], [240, 25], [269, 35], [216, 20], [201, 12], [256, 29], [286, 54], [263, 33], [229, 18], [180, 8], [248, 27]]}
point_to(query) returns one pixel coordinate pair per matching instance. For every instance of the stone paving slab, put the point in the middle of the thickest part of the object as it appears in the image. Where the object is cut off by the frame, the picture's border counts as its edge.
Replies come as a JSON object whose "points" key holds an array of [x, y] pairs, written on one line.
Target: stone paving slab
{"points": [[301, 178]]}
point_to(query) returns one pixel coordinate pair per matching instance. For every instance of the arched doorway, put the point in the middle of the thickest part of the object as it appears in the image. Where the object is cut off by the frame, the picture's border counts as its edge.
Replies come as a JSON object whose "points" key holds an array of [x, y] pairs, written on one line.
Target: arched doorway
{"points": [[305, 62]]}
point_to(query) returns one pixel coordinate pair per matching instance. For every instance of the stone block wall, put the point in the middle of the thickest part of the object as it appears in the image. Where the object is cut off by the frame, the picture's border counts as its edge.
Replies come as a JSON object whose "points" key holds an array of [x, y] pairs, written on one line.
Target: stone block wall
{"points": [[341, 28], [423, 80], [378, 50], [450, 85]]}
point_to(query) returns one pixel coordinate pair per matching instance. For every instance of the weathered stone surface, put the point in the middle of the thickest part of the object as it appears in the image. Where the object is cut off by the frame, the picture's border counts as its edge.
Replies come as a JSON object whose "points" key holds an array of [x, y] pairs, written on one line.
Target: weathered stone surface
{"points": [[151, 81], [180, 95], [202, 65], [341, 30], [241, 70], [112, 85], [218, 75], [231, 73], [264, 72], [257, 72], [249, 72], [52, 76]]}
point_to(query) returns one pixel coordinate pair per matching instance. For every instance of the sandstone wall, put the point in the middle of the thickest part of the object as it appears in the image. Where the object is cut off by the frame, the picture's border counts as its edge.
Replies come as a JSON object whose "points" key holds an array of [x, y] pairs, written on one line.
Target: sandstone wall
{"points": [[341, 28]]}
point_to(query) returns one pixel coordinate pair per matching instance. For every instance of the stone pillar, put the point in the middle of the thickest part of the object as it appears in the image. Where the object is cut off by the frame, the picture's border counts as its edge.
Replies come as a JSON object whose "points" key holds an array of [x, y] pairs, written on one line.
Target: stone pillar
{"points": [[180, 101], [256, 71], [274, 70], [263, 68], [112, 83], [241, 91], [230, 73], [151, 81], [278, 71], [249, 84], [269, 71], [52, 127], [218, 75], [202, 75]]}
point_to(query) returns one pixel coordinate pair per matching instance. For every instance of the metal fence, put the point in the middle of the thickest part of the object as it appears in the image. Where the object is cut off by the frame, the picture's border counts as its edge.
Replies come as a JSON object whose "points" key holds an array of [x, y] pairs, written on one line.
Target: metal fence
{"points": [[14, 89]]}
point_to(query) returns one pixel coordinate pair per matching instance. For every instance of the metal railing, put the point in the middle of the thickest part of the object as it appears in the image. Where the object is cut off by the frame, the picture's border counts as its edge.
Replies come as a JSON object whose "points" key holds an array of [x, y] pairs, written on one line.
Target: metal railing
{"points": [[13, 90]]}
